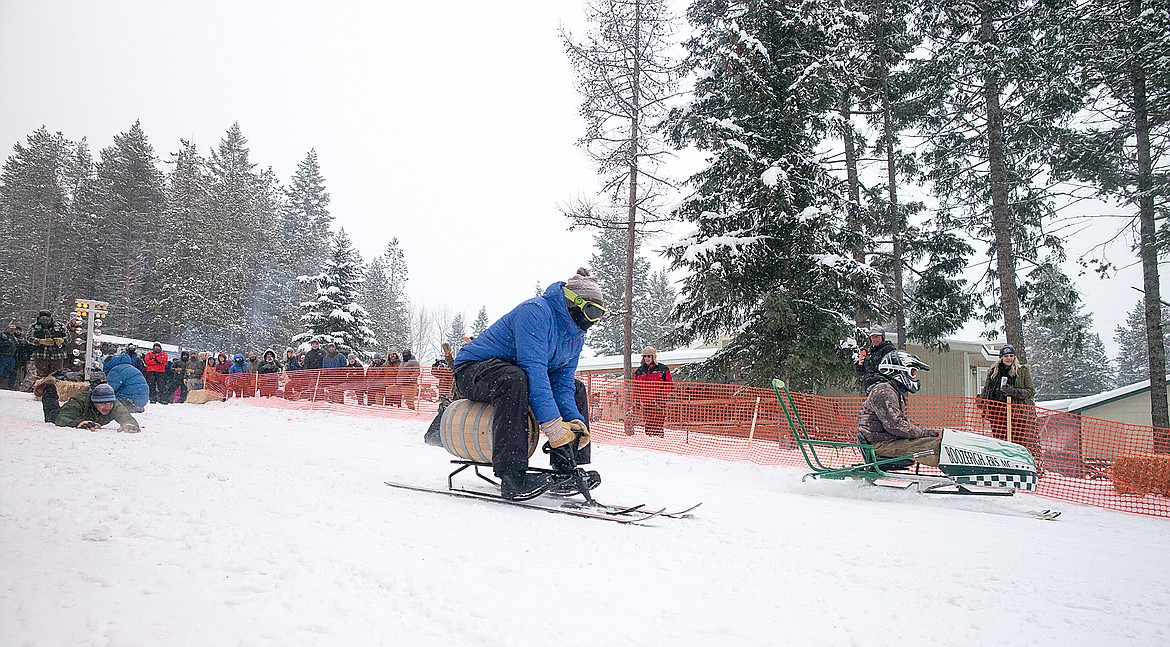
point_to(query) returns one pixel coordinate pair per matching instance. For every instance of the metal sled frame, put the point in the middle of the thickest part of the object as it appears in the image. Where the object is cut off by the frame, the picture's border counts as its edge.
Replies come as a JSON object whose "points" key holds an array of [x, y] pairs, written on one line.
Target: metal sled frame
{"points": [[869, 469], [475, 465]]}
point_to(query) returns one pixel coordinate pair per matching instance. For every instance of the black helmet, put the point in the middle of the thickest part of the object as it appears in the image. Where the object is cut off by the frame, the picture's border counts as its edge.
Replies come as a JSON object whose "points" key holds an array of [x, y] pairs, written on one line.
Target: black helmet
{"points": [[902, 368]]}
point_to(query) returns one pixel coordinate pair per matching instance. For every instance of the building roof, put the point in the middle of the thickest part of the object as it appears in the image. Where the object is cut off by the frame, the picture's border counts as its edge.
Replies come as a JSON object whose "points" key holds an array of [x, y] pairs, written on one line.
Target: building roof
{"points": [[1077, 405], [672, 358], [141, 343]]}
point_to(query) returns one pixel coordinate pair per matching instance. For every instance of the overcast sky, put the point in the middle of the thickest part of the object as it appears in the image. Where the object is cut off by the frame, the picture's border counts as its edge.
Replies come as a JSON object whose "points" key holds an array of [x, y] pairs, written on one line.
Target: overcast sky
{"points": [[449, 125]]}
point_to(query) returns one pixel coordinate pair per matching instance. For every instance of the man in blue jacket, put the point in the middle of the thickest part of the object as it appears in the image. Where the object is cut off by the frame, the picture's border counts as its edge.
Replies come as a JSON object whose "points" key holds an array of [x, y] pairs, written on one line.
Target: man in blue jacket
{"points": [[528, 358], [127, 381]]}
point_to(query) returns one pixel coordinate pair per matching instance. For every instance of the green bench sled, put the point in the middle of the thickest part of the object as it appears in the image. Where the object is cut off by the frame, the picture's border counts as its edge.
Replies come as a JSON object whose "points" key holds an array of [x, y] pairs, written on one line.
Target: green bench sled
{"points": [[870, 466], [857, 460]]}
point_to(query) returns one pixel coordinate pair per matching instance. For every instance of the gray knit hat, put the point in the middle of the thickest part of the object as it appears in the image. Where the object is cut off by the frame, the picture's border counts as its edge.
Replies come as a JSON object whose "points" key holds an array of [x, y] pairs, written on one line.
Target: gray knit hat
{"points": [[102, 393], [586, 286]]}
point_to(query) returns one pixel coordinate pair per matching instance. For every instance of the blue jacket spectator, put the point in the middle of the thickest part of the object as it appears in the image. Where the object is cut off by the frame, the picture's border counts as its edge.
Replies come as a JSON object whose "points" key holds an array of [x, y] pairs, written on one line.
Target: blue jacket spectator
{"points": [[238, 365], [127, 381], [333, 358]]}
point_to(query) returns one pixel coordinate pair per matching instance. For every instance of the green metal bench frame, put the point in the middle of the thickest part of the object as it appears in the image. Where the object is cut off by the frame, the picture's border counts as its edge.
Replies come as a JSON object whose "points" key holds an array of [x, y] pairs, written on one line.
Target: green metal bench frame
{"points": [[869, 469]]}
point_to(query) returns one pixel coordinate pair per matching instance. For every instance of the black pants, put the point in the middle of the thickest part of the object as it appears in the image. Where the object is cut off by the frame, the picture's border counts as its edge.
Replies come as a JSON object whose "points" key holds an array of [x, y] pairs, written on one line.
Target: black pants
{"points": [[505, 386], [154, 380]]}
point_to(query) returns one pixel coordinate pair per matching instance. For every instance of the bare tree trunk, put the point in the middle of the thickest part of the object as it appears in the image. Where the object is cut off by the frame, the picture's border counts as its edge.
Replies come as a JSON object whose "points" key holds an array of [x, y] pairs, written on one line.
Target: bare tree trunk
{"points": [[892, 179], [632, 218], [853, 183], [1149, 250], [45, 274], [1000, 208]]}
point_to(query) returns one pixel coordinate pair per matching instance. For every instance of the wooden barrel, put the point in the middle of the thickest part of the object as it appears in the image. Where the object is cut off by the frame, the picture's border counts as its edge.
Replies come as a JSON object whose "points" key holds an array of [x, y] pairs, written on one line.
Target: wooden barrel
{"points": [[466, 430]]}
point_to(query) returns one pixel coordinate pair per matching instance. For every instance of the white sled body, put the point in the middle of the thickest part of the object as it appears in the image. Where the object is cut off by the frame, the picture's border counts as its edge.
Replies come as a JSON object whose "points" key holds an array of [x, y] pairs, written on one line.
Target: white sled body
{"points": [[974, 459]]}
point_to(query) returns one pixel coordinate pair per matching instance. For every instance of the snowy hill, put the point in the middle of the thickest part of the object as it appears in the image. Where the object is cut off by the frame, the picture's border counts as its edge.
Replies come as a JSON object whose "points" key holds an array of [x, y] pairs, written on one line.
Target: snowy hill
{"points": [[229, 524]]}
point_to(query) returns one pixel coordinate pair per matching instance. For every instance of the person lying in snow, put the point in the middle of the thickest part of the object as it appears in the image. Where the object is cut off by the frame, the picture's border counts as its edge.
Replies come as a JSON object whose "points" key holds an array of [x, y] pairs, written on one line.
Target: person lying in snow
{"points": [[93, 408], [882, 419]]}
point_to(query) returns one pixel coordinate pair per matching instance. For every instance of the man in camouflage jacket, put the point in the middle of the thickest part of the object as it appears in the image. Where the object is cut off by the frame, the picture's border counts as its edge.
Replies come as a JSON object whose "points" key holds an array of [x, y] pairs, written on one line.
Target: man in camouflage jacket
{"points": [[882, 421]]}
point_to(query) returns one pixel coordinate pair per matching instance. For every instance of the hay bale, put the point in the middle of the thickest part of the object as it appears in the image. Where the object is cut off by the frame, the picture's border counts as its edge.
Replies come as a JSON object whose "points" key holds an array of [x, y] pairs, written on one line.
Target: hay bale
{"points": [[202, 396], [65, 388], [1142, 474]]}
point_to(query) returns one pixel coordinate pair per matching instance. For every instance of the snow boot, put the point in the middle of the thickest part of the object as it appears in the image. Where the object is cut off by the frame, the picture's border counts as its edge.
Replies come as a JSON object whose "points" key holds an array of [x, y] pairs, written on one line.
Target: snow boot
{"points": [[49, 400], [521, 485], [566, 484]]}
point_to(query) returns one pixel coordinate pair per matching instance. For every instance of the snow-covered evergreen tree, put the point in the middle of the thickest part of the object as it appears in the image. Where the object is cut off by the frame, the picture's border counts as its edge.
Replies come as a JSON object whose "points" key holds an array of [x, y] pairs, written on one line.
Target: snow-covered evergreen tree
{"points": [[768, 261], [376, 298], [1066, 356], [608, 264], [654, 311], [46, 213], [307, 208], [1133, 354], [235, 189], [481, 322], [130, 216], [456, 333], [386, 299], [336, 316], [186, 274]]}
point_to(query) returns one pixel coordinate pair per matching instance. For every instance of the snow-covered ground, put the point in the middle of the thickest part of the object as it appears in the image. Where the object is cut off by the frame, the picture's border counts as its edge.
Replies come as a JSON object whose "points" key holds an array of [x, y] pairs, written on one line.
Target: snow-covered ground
{"points": [[230, 524]]}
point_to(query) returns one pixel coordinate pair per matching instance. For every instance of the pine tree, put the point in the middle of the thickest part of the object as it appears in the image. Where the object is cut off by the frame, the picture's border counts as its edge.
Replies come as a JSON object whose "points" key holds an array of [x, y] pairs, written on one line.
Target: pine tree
{"points": [[996, 91], [656, 309], [398, 319], [186, 274], [336, 317], [769, 261], [626, 77], [1120, 47], [1133, 353], [130, 216], [376, 298], [609, 265], [46, 197], [456, 333], [481, 322], [1067, 358]]}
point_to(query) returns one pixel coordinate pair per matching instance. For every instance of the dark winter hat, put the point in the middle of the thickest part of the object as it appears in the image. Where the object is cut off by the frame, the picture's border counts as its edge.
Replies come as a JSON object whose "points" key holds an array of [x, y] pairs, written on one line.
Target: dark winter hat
{"points": [[586, 286], [44, 313], [1007, 349], [158, 345], [184, 355], [270, 352], [314, 342], [102, 393]]}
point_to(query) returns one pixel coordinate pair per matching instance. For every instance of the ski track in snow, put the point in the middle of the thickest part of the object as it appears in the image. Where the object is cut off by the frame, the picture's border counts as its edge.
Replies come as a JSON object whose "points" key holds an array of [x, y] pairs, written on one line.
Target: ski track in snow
{"points": [[228, 524]]}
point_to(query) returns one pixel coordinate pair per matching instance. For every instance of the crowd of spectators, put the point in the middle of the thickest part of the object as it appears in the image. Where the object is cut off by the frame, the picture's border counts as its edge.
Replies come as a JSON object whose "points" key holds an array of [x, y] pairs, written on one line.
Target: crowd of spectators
{"points": [[161, 377]]}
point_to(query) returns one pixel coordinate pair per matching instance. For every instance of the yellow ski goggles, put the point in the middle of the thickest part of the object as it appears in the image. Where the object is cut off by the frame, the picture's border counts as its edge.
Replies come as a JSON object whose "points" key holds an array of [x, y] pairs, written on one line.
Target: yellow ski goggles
{"points": [[592, 310]]}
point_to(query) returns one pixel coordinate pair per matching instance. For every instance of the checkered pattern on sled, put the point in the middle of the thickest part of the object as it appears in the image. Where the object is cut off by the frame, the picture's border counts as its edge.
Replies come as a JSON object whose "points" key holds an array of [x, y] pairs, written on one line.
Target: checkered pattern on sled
{"points": [[1026, 482]]}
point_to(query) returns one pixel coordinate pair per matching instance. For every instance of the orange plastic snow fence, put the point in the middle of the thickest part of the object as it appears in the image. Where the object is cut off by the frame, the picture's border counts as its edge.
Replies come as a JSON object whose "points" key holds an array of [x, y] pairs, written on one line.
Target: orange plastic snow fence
{"points": [[1084, 460]]}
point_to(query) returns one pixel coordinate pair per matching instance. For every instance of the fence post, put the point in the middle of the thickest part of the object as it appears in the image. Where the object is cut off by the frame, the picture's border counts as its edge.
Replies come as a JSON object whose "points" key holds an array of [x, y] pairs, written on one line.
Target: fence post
{"points": [[755, 414], [1009, 418]]}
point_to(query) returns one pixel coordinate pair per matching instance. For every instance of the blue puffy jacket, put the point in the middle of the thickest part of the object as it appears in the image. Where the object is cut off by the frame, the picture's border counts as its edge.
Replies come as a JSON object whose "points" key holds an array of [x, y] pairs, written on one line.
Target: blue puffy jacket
{"points": [[126, 380], [540, 337], [238, 365]]}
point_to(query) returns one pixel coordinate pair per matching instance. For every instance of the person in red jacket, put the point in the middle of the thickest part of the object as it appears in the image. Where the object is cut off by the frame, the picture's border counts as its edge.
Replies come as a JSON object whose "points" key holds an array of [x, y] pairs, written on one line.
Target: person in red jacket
{"points": [[652, 384], [156, 372]]}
